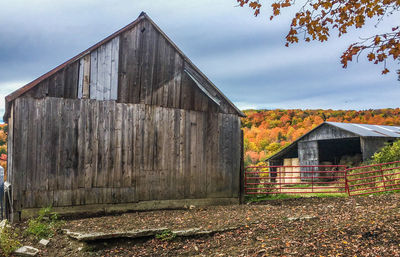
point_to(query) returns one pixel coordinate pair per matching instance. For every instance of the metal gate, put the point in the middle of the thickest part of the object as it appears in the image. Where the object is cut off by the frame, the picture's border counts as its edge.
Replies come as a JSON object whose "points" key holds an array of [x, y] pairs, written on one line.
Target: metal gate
{"points": [[310, 179], [322, 179], [374, 178]]}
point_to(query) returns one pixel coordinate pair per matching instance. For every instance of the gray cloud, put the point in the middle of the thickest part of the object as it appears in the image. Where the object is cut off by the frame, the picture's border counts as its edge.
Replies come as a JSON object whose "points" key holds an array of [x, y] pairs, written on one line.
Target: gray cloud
{"points": [[243, 55]]}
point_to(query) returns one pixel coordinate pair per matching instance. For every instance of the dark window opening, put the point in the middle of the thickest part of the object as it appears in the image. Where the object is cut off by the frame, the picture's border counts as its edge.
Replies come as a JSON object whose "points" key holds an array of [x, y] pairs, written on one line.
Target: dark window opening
{"points": [[346, 151]]}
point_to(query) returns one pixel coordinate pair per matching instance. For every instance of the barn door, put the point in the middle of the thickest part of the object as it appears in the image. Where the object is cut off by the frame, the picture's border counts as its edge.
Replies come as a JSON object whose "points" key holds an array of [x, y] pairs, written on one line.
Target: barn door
{"points": [[308, 155]]}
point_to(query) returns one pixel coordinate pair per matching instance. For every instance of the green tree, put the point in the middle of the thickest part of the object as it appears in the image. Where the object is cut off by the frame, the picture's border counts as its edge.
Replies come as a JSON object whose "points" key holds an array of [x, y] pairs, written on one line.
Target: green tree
{"points": [[389, 153]]}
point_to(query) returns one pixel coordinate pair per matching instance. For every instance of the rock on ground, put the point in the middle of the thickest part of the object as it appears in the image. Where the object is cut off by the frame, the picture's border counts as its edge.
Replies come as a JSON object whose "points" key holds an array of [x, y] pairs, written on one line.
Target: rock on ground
{"points": [[44, 242], [26, 251]]}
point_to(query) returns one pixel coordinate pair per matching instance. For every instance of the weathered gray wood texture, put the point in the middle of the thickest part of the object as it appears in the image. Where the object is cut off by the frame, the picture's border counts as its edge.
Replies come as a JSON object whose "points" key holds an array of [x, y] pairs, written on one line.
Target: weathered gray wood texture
{"points": [[104, 71], [138, 66], [151, 71], [82, 151], [63, 83], [308, 155], [328, 132], [370, 145]]}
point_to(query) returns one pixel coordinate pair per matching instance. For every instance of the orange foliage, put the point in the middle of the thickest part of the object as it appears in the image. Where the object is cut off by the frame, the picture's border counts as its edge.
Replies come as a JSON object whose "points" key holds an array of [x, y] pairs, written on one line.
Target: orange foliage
{"points": [[268, 131], [3, 148]]}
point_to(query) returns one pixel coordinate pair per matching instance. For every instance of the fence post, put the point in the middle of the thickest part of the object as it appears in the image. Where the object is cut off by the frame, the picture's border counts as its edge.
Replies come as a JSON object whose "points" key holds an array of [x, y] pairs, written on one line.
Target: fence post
{"points": [[280, 176], [242, 172], [312, 179], [383, 178], [244, 187], [346, 182]]}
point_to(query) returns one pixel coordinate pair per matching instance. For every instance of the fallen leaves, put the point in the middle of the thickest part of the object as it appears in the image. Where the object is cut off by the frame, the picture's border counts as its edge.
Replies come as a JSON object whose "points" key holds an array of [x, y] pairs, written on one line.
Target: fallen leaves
{"points": [[340, 230]]}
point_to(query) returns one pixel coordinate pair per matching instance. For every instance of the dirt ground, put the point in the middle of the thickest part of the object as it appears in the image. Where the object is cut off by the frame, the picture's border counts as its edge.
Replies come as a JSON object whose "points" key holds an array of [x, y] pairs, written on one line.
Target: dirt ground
{"points": [[355, 226]]}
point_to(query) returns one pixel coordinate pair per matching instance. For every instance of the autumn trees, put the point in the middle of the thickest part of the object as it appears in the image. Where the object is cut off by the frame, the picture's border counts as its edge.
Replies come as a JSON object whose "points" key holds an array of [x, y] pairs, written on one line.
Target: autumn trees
{"points": [[320, 19], [3, 146]]}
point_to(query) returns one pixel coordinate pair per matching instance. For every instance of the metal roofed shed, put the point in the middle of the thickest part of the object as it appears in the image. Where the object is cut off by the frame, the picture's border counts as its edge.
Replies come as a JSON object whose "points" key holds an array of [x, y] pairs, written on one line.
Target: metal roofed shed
{"points": [[334, 143]]}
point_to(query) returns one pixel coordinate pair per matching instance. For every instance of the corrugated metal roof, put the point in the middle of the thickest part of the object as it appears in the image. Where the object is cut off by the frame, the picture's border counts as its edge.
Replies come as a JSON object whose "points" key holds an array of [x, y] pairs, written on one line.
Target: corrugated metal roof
{"points": [[366, 130]]}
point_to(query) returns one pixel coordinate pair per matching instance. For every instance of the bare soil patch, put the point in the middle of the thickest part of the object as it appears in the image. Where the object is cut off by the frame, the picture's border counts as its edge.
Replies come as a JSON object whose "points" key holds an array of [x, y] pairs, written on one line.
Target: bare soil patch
{"points": [[356, 226]]}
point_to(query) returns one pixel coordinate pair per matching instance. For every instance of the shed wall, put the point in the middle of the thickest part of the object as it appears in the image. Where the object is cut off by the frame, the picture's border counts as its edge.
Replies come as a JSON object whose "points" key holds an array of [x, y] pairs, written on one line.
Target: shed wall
{"points": [[308, 155], [327, 132], [370, 145], [70, 152]]}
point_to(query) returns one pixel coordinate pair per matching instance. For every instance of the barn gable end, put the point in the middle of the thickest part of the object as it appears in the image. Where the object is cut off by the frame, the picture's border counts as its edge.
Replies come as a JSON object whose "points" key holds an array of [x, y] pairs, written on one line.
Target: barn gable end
{"points": [[327, 131], [138, 64]]}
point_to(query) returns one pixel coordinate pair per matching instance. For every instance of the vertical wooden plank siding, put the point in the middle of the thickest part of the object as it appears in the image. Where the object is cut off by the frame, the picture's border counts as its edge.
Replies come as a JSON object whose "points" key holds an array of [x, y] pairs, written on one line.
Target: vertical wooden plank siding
{"points": [[80, 79], [236, 155], [94, 152], [103, 71], [114, 68], [63, 83], [93, 75], [71, 80], [10, 143], [25, 122], [151, 71], [128, 65], [16, 154], [84, 77], [101, 79]]}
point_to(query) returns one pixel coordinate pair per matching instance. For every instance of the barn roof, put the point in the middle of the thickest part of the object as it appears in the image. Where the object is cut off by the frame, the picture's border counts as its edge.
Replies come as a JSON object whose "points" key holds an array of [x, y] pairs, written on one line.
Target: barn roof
{"points": [[367, 130], [14, 95], [361, 130]]}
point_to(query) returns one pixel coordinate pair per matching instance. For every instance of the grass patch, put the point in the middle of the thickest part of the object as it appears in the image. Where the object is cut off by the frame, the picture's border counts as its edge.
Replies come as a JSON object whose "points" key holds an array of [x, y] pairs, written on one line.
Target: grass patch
{"points": [[299, 185], [45, 225], [310, 185], [322, 195], [260, 198], [378, 193], [166, 235], [8, 240]]}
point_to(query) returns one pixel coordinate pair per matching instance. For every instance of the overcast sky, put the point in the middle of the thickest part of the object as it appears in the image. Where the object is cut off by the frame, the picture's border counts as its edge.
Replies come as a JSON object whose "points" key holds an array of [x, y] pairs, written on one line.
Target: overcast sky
{"points": [[243, 55]]}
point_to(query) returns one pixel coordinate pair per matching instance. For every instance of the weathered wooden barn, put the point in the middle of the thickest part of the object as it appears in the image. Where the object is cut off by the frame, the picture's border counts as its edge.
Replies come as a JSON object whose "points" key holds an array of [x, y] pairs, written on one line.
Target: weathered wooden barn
{"points": [[334, 143], [130, 123]]}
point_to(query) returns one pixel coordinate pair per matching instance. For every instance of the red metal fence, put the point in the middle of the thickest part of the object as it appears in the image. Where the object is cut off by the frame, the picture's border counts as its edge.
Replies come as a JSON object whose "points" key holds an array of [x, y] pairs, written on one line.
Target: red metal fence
{"points": [[374, 178], [322, 179], [295, 179]]}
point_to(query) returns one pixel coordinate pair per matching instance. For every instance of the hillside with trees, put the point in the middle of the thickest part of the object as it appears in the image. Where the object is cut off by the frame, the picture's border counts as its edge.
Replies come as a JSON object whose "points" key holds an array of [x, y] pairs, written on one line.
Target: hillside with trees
{"points": [[3, 145], [268, 131]]}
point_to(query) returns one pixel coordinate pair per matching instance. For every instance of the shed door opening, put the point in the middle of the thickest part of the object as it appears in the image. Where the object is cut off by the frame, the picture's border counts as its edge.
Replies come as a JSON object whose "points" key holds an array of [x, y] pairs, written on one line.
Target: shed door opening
{"points": [[345, 151]]}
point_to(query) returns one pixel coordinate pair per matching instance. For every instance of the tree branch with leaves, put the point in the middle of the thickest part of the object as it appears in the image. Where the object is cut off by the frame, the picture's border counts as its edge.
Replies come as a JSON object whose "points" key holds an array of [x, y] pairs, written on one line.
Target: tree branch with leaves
{"points": [[316, 20]]}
